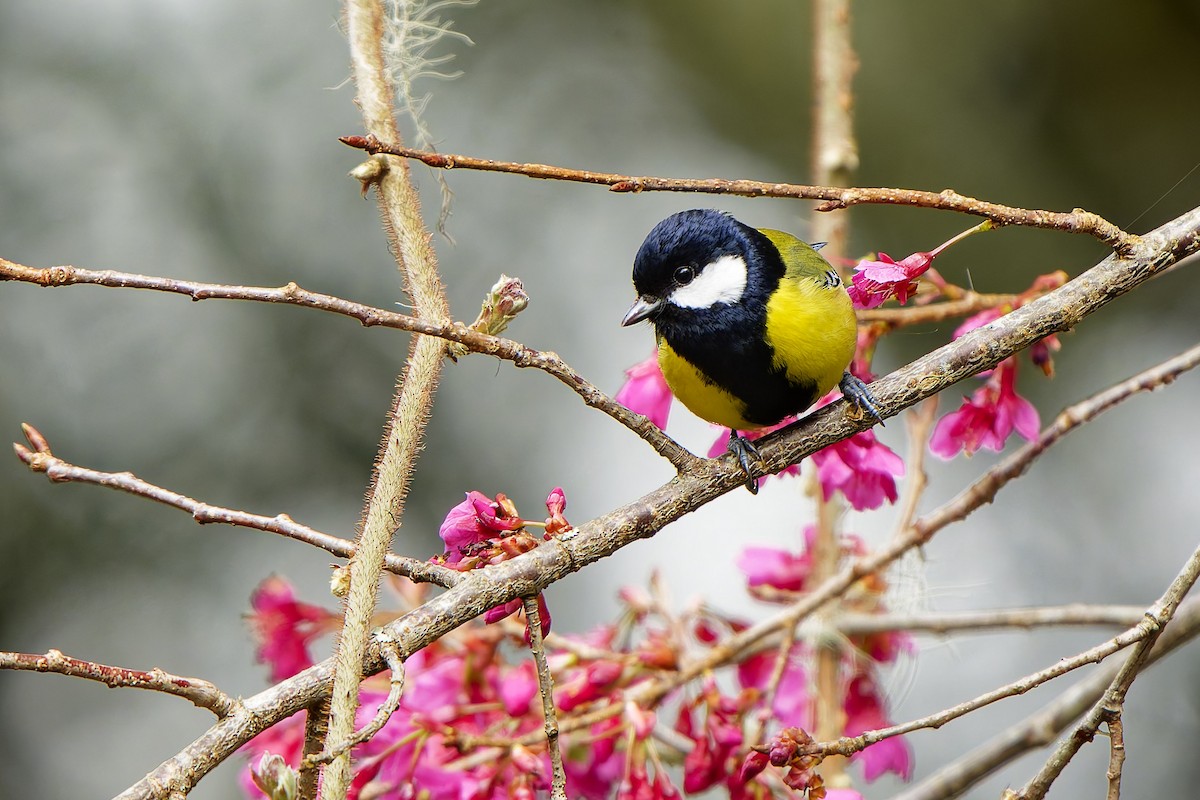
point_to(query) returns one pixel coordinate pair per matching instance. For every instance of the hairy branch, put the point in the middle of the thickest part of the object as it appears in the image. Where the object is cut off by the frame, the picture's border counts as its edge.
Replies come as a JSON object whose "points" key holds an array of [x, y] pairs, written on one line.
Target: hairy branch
{"points": [[400, 210]]}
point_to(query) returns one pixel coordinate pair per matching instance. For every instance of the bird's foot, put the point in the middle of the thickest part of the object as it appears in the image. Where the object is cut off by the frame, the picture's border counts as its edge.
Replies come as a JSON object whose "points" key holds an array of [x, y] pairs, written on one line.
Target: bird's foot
{"points": [[744, 449], [857, 393]]}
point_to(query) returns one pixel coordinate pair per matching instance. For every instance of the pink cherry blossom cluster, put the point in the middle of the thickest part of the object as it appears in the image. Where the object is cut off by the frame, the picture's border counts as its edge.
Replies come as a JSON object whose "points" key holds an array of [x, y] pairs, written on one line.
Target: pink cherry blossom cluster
{"points": [[471, 692]]}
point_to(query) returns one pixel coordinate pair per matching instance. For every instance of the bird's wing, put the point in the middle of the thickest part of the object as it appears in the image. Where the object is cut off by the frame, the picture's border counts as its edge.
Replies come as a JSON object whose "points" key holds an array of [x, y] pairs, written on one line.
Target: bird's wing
{"points": [[801, 260]]}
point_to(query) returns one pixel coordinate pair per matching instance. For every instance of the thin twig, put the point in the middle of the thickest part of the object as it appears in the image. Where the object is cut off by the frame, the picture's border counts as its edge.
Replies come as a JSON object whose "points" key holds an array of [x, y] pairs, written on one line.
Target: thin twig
{"points": [[920, 424], [1111, 703], [970, 303], [316, 727], [965, 621], [201, 693], [1076, 221], [41, 459], [778, 669], [391, 656], [1116, 755], [369, 316], [533, 622], [1039, 729], [531, 572]]}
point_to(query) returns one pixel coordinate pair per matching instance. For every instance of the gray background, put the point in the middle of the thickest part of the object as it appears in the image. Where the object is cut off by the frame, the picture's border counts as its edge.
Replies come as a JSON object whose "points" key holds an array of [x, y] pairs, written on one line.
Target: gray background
{"points": [[199, 141]]}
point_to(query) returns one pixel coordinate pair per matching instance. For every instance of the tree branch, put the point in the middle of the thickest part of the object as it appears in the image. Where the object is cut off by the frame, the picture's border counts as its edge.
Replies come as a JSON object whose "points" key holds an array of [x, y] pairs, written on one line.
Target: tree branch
{"points": [[1040, 728], [1076, 221], [201, 693], [40, 459], [369, 316], [531, 572], [1109, 706]]}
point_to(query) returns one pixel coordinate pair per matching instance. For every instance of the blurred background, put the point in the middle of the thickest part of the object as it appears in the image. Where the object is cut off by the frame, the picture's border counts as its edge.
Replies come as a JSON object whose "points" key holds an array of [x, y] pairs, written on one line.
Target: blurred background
{"points": [[198, 140]]}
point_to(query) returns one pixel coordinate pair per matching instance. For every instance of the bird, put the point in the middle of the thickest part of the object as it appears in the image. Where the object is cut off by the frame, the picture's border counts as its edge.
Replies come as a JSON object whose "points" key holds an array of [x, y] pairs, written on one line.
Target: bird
{"points": [[752, 325]]}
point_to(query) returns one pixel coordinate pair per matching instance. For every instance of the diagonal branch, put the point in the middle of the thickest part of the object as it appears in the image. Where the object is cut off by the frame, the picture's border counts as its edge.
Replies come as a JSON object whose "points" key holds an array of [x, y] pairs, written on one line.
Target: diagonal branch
{"points": [[1077, 221], [40, 459], [369, 316], [1040, 728], [201, 693], [533, 571], [1109, 706]]}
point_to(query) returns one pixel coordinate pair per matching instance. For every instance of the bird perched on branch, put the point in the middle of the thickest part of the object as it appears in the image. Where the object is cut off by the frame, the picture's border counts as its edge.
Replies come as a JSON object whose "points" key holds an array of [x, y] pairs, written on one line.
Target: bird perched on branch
{"points": [[752, 325]]}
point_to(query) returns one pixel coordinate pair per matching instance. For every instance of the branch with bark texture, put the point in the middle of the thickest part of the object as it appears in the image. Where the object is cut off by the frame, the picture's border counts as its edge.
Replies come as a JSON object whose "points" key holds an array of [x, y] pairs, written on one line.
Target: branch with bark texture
{"points": [[1040, 728], [201, 693], [41, 459], [531, 572], [369, 316], [1076, 221]]}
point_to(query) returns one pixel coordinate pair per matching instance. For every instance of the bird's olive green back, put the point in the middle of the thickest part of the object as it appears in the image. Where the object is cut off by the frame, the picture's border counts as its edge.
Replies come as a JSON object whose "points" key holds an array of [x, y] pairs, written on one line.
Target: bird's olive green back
{"points": [[800, 259]]}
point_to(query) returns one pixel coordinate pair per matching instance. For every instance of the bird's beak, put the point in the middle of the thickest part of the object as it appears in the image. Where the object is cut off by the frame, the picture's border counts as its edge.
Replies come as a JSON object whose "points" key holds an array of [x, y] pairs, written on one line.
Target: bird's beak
{"points": [[643, 307]]}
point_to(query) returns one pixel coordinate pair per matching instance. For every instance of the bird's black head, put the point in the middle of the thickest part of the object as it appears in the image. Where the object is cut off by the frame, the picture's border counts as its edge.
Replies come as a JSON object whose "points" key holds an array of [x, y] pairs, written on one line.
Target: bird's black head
{"points": [[702, 271]]}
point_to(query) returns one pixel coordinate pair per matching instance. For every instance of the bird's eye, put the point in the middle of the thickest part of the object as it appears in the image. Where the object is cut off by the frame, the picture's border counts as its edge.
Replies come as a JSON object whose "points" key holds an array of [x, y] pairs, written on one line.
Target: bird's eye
{"points": [[684, 275]]}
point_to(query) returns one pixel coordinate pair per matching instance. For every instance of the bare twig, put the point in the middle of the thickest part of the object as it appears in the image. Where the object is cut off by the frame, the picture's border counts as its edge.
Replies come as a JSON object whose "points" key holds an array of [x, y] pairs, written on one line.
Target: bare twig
{"points": [[958, 622], [940, 311], [1109, 706], [533, 622], [531, 572], [201, 693], [920, 425], [369, 316], [834, 162], [41, 459], [1116, 755], [1040, 729], [1076, 221], [316, 726], [391, 656]]}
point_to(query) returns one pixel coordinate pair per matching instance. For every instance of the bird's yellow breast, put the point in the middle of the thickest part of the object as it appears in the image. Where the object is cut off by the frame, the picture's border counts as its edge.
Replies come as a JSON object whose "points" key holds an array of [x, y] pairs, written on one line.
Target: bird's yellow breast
{"points": [[812, 330], [702, 397]]}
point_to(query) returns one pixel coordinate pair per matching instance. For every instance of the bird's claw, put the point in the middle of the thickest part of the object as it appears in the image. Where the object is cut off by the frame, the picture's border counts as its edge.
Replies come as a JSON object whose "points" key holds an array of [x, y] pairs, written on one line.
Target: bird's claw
{"points": [[744, 449], [857, 393]]}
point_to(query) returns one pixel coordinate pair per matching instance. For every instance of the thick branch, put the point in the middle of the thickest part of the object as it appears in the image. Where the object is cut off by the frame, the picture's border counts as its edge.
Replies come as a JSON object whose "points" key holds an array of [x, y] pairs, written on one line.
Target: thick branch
{"points": [[1077, 221], [533, 571]]}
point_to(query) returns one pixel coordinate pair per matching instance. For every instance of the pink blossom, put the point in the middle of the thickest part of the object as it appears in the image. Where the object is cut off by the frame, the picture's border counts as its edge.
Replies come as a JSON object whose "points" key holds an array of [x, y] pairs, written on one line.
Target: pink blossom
{"points": [[556, 504], [462, 526], [864, 712], [987, 418], [587, 684], [779, 569], [862, 468], [517, 687], [646, 391], [876, 281], [284, 627], [513, 606]]}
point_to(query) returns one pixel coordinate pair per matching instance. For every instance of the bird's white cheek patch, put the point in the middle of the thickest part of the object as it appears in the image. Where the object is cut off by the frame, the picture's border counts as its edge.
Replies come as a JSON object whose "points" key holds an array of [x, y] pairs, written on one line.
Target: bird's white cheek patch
{"points": [[721, 281]]}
